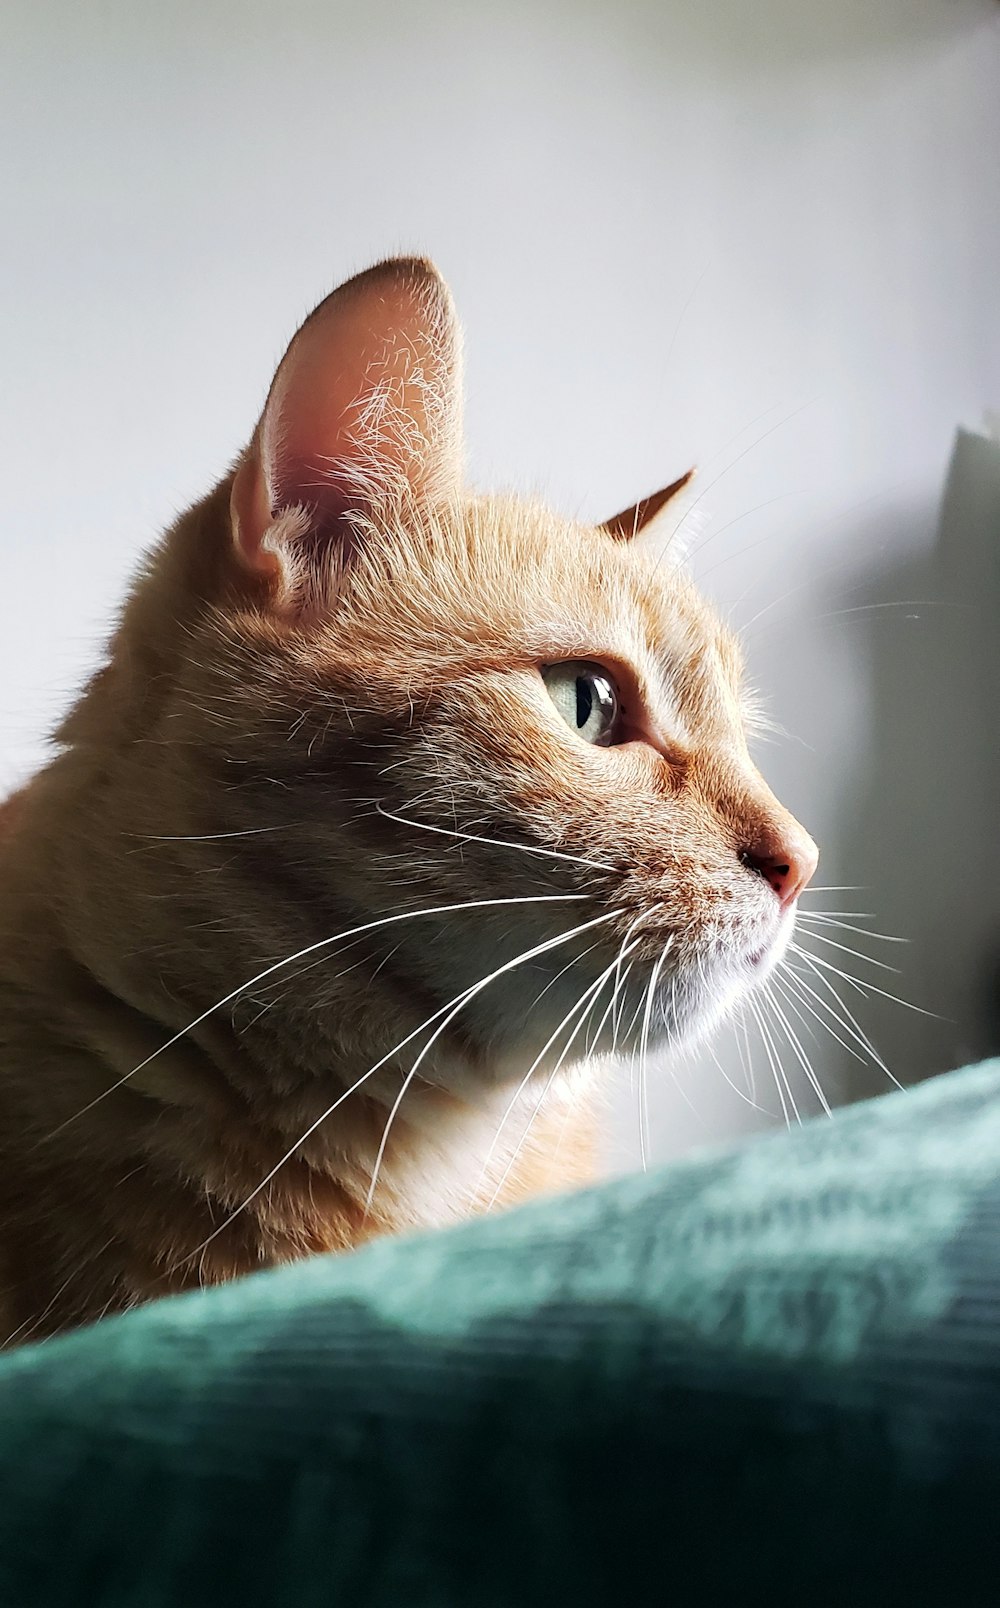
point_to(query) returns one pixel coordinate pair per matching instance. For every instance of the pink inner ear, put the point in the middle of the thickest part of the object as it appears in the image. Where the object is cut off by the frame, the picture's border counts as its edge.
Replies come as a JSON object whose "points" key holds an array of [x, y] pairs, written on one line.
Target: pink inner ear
{"points": [[364, 409]]}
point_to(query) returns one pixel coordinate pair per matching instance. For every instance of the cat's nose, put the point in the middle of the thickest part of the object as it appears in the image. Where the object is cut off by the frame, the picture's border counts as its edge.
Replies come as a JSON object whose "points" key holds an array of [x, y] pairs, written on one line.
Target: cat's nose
{"points": [[787, 863]]}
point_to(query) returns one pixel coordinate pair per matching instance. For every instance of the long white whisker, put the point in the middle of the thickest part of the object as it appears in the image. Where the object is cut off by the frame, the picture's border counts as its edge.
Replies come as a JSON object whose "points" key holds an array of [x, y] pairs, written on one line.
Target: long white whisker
{"points": [[561, 973], [821, 938], [593, 1040], [460, 1005], [752, 1007], [735, 1086], [493, 843], [781, 1081], [443, 1010], [842, 887], [729, 467], [619, 997], [851, 1025], [831, 915], [861, 986], [800, 1053], [289, 960], [792, 980], [594, 992], [589, 994], [798, 981], [748, 1063], [642, 916], [781, 1066], [644, 1056], [209, 837], [792, 983], [719, 530], [846, 926]]}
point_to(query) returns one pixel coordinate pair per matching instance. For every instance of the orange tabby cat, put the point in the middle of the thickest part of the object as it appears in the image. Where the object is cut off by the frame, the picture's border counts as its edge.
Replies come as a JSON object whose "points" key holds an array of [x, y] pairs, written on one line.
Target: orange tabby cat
{"points": [[391, 804]]}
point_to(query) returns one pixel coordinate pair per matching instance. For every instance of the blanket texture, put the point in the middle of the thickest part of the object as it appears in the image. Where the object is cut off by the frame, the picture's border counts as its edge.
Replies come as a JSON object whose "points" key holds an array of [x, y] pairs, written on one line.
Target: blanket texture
{"points": [[770, 1375]]}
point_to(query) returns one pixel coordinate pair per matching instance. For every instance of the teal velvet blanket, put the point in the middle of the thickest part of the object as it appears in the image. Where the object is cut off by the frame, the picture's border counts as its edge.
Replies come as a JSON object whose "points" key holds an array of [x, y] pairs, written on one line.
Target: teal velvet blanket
{"points": [[767, 1376]]}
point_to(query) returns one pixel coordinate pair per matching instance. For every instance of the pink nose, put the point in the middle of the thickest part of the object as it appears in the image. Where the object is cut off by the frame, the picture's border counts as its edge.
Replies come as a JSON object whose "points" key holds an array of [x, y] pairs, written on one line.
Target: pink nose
{"points": [[789, 869]]}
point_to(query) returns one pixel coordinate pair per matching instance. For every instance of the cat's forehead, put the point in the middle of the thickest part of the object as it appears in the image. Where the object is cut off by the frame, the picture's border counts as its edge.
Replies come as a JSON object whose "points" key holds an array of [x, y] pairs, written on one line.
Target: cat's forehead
{"points": [[627, 601]]}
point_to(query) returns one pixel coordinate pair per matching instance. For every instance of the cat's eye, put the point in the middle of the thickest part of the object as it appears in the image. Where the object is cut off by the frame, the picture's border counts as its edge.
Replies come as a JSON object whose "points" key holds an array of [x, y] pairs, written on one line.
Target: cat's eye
{"points": [[587, 698]]}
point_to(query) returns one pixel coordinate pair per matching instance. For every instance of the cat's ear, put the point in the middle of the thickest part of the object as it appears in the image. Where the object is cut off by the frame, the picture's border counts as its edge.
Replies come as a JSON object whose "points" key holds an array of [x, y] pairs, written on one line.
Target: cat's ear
{"points": [[363, 416], [632, 520]]}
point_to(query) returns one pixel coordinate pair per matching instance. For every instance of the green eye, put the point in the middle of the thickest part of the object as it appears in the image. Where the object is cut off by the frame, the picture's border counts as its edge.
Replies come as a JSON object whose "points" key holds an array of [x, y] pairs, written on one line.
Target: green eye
{"points": [[587, 699]]}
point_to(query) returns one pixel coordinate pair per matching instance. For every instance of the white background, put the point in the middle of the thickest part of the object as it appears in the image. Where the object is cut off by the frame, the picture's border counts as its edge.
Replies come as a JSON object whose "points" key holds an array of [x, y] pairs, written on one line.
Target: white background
{"points": [[765, 238]]}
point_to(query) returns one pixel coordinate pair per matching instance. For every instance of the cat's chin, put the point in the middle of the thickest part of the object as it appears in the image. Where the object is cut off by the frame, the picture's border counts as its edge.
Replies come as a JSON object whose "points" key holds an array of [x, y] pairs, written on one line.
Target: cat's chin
{"points": [[689, 1004], [766, 957], [702, 997]]}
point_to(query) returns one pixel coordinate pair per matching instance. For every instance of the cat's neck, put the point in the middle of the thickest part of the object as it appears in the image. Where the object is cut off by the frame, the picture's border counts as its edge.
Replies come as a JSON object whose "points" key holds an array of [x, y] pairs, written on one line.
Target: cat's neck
{"points": [[213, 1140]]}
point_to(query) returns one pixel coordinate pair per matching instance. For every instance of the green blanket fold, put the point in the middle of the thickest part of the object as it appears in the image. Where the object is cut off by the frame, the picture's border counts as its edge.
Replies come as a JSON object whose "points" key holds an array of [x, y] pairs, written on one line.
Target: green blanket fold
{"points": [[770, 1375]]}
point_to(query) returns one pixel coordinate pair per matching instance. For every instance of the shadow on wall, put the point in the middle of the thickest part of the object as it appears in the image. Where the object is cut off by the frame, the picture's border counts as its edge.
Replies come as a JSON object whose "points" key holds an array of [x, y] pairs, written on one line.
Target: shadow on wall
{"points": [[927, 832], [788, 33]]}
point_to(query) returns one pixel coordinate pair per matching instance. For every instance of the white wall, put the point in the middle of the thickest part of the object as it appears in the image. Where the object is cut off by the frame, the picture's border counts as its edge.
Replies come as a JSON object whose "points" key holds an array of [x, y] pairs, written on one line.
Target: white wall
{"points": [[761, 237]]}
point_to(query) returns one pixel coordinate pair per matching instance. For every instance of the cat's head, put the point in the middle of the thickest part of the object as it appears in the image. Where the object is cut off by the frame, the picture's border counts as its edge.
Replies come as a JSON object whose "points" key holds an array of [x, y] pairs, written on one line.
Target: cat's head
{"points": [[396, 696]]}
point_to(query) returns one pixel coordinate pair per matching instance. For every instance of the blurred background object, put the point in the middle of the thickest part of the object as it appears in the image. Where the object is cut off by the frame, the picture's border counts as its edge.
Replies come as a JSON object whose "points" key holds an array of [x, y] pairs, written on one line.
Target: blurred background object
{"points": [[761, 238]]}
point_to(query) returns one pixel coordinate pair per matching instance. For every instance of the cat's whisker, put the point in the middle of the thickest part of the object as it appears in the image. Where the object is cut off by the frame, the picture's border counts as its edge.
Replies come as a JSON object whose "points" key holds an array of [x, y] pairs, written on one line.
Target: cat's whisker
{"points": [[792, 980], [27, 1328], [289, 960], [742, 1037], [494, 843], [780, 1065], [798, 1050], [643, 915], [620, 999], [594, 1037], [843, 887], [836, 915], [727, 468], [415, 1070], [847, 1021], [630, 1030], [651, 988], [783, 597], [673, 1046], [719, 530], [449, 1010], [866, 608], [779, 982], [735, 1086], [794, 990], [459, 1006], [594, 993], [846, 926], [323, 959], [863, 985], [561, 973], [753, 1009], [588, 996], [821, 938], [211, 837], [593, 1040], [780, 1079]]}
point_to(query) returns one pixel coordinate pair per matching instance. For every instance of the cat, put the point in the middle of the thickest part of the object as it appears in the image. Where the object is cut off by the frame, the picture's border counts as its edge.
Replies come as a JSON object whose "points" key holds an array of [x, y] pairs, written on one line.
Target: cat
{"points": [[392, 808]]}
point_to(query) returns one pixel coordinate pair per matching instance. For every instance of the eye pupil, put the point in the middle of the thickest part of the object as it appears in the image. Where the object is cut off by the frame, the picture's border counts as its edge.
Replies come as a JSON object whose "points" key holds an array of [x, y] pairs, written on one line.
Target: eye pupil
{"points": [[587, 698], [584, 700]]}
